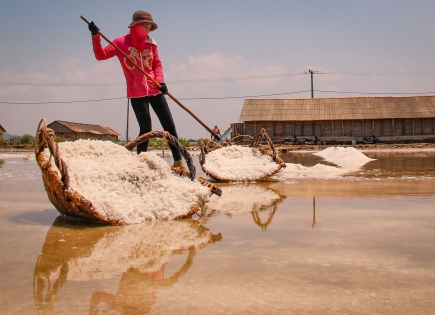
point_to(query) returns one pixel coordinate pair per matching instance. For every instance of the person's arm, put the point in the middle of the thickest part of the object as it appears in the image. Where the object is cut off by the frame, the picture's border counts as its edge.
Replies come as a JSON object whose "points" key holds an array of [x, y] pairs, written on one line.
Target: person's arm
{"points": [[100, 52], [157, 66]]}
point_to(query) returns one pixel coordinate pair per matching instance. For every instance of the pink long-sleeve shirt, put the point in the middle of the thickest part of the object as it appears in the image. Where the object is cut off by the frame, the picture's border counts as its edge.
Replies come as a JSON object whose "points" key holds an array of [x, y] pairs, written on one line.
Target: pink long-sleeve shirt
{"points": [[138, 85]]}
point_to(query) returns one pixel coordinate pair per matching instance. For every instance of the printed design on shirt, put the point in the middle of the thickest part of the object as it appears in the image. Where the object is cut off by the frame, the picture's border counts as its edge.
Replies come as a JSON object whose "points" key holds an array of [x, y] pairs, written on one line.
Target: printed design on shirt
{"points": [[147, 57]]}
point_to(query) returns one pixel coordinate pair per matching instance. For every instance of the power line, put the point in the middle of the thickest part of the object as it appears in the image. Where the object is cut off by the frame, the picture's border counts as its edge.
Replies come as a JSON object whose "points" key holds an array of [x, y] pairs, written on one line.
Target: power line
{"points": [[376, 93], [64, 102], [241, 78], [246, 96], [380, 73], [222, 98]]}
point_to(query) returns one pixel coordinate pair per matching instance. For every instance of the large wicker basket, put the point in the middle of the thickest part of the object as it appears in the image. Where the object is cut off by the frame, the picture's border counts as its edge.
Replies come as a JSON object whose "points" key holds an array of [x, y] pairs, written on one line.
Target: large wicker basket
{"points": [[74, 205], [252, 142]]}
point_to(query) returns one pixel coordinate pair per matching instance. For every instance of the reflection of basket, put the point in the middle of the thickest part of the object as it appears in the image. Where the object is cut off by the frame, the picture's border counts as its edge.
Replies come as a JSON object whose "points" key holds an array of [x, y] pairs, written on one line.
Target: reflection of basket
{"points": [[268, 150], [71, 203], [136, 252]]}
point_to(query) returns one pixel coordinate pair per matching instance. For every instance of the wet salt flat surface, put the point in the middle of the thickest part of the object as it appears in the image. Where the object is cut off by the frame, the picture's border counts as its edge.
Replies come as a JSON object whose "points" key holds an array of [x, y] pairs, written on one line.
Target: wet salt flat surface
{"points": [[358, 243]]}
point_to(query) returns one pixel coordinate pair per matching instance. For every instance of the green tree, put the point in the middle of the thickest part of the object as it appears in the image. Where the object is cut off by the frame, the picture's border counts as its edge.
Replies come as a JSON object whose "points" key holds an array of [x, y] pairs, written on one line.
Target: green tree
{"points": [[26, 139]]}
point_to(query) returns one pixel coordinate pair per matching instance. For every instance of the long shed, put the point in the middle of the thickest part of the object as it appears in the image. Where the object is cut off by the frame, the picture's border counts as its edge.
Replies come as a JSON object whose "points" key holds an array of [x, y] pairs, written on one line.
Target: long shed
{"points": [[75, 131], [404, 118]]}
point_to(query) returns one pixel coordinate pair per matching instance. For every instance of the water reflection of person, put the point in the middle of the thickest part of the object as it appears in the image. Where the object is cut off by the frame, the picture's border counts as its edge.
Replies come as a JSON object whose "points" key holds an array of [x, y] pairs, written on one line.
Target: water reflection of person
{"points": [[73, 251], [137, 291]]}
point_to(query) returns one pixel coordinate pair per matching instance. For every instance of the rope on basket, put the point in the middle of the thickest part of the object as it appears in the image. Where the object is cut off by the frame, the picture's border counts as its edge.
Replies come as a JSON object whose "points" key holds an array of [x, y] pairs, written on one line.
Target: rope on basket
{"points": [[45, 139]]}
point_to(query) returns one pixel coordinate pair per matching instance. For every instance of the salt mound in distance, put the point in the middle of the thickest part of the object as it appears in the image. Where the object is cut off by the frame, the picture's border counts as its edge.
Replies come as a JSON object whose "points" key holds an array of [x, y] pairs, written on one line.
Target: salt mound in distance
{"points": [[126, 187], [238, 163], [347, 158]]}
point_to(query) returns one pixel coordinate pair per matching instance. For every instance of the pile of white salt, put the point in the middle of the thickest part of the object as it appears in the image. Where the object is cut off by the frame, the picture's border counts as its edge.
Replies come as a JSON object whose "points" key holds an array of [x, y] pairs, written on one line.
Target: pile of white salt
{"points": [[238, 163], [128, 187], [347, 159]]}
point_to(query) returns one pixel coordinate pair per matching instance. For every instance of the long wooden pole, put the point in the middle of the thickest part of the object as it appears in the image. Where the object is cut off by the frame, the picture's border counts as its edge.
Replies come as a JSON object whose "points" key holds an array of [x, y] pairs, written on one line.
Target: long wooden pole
{"points": [[156, 83]]}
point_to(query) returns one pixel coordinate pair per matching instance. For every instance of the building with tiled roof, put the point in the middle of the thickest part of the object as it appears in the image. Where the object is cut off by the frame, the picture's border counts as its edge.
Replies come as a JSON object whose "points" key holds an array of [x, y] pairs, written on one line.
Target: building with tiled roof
{"points": [[395, 119], [75, 131]]}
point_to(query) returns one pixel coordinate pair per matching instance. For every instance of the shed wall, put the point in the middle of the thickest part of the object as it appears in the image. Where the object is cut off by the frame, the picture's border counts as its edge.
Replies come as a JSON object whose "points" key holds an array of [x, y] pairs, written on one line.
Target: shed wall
{"points": [[349, 129]]}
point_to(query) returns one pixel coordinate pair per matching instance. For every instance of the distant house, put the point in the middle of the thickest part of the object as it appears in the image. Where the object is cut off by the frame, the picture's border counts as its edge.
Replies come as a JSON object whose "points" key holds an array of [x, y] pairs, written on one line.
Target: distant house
{"points": [[75, 131], [394, 119], [2, 131]]}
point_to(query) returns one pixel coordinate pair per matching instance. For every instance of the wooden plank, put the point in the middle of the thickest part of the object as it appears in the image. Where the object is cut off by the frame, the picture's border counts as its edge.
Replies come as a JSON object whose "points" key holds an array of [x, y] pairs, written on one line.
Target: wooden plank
{"points": [[377, 127]]}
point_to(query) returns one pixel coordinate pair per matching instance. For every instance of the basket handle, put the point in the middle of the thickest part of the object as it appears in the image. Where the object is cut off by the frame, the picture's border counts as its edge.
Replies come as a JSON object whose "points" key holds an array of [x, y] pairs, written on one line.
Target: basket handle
{"points": [[45, 139]]}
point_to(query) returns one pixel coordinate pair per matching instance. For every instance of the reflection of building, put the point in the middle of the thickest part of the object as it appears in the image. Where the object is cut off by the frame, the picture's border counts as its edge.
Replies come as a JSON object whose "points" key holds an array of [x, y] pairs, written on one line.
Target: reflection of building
{"points": [[2, 131], [77, 131], [343, 118], [137, 253]]}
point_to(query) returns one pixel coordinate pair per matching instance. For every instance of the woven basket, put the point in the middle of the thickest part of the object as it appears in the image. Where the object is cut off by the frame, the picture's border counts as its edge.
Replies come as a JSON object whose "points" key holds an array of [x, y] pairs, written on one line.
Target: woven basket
{"points": [[74, 205], [252, 142]]}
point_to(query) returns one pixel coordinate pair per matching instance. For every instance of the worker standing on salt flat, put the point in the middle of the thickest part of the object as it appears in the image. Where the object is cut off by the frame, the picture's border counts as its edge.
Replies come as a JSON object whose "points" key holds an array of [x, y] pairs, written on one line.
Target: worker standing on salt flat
{"points": [[142, 92], [216, 131]]}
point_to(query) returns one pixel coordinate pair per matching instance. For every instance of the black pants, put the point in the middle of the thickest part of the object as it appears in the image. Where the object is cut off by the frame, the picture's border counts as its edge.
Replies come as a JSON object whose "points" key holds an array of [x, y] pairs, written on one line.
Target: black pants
{"points": [[142, 111]]}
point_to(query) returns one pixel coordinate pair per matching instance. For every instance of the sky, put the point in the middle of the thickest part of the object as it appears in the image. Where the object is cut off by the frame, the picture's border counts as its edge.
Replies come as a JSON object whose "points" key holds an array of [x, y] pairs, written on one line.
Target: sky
{"points": [[214, 55]]}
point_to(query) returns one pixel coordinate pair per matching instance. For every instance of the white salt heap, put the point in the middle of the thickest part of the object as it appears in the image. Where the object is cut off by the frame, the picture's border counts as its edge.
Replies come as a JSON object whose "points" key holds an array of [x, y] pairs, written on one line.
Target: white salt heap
{"points": [[348, 159], [237, 163], [128, 187], [243, 198]]}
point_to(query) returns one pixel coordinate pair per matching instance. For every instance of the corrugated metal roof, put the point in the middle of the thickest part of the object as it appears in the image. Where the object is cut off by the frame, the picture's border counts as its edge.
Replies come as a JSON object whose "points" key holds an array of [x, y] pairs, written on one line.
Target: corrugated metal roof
{"points": [[309, 109], [94, 129]]}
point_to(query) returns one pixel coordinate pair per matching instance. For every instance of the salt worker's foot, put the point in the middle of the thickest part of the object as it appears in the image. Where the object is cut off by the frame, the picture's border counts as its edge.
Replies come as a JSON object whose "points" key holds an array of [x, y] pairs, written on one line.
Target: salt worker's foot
{"points": [[180, 168]]}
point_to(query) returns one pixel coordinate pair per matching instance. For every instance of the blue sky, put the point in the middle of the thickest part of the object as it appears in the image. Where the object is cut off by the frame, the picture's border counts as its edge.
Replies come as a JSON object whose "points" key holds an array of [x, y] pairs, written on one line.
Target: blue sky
{"points": [[214, 54]]}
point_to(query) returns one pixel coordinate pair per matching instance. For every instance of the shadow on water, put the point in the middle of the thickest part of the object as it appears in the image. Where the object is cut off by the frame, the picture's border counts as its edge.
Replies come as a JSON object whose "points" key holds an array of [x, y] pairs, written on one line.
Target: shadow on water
{"points": [[44, 218], [74, 251]]}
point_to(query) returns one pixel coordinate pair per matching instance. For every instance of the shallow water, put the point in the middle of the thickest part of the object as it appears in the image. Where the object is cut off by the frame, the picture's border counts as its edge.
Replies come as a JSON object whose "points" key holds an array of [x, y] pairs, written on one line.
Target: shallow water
{"points": [[361, 244]]}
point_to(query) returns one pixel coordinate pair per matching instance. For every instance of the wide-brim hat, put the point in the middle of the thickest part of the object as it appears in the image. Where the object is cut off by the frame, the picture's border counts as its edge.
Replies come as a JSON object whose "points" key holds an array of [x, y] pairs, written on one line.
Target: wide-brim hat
{"points": [[143, 17]]}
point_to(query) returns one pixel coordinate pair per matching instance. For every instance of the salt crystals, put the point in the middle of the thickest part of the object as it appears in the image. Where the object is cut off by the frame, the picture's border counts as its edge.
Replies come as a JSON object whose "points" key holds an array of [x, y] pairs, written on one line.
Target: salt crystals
{"points": [[238, 163], [347, 160], [128, 187]]}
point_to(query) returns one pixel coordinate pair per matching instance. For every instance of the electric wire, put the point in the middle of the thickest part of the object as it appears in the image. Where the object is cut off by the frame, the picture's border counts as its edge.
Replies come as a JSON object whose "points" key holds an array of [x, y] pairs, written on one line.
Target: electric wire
{"points": [[225, 97], [239, 78]]}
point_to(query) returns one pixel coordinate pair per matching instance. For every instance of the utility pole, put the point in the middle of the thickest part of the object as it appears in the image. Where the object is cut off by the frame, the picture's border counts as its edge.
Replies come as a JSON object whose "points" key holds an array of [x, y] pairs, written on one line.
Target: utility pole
{"points": [[312, 91], [311, 72]]}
